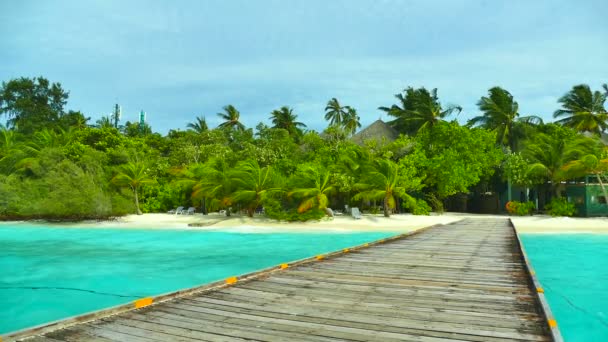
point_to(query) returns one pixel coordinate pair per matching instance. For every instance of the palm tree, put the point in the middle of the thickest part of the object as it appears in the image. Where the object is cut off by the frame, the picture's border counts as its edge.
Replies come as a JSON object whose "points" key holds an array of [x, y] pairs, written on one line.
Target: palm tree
{"points": [[199, 126], [215, 184], [231, 117], [313, 188], [351, 121], [583, 110], [285, 118], [382, 181], [501, 114], [420, 109], [43, 139], [589, 164], [549, 154], [335, 112], [133, 175], [10, 148], [104, 122], [254, 184]]}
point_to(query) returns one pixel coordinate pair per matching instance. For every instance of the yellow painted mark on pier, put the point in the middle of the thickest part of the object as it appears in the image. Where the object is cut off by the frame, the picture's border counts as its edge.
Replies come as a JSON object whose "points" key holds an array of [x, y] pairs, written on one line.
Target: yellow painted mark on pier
{"points": [[320, 257], [140, 303], [231, 280], [345, 250], [366, 245], [552, 323], [540, 290], [284, 266]]}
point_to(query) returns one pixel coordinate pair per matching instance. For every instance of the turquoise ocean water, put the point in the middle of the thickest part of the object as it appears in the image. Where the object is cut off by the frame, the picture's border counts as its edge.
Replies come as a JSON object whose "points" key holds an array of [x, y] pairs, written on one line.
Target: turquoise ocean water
{"points": [[573, 269], [49, 273]]}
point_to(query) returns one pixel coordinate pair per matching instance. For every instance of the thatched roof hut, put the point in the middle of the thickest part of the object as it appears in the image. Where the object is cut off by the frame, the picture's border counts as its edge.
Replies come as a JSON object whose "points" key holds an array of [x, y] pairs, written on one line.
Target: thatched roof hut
{"points": [[378, 131]]}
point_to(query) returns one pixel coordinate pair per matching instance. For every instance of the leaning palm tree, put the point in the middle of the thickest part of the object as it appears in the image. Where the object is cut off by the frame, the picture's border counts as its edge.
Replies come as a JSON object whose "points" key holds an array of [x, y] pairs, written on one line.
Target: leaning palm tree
{"points": [[583, 110], [231, 117], [420, 109], [312, 189], [335, 112], [199, 126], [285, 118], [549, 154], [383, 182], [351, 121], [589, 164], [501, 114], [133, 175], [254, 185]]}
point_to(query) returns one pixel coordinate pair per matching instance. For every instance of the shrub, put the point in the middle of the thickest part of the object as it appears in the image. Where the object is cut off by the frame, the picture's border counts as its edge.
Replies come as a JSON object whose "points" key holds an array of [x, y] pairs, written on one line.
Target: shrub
{"points": [[418, 207], [560, 207], [273, 210], [435, 203], [374, 210], [520, 208]]}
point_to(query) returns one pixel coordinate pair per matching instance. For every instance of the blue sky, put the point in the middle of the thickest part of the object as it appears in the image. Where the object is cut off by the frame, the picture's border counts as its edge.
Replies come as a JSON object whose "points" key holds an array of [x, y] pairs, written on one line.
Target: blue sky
{"points": [[180, 59]]}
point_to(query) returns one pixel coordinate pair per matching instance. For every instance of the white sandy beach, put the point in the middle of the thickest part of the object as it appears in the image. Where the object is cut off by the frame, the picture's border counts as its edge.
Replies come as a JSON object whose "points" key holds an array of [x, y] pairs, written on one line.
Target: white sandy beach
{"points": [[396, 223]]}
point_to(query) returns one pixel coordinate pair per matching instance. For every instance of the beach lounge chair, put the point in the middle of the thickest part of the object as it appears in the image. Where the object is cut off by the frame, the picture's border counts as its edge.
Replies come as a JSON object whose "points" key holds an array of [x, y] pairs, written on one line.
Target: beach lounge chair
{"points": [[355, 213], [176, 211], [329, 212], [191, 211]]}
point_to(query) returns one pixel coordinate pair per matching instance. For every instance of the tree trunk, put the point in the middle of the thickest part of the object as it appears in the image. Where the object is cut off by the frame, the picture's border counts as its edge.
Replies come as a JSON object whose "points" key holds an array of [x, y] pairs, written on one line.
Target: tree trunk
{"points": [[386, 212], [228, 212], [250, 211], [137, 202]]}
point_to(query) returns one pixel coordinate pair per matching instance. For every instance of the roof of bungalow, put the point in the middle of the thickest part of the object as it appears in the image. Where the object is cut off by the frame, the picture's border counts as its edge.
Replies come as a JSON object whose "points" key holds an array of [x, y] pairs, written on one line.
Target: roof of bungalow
{"points": [[379, 131]]}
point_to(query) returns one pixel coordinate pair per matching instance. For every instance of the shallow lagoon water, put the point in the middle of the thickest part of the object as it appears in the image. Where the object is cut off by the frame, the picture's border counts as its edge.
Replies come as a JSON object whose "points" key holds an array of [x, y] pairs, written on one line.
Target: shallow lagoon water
{"points": [[573, 269], [49, 273]]}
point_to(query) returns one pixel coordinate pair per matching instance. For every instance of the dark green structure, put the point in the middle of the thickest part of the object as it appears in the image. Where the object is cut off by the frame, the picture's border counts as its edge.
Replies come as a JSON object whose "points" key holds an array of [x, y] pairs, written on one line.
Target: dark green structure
{"points": [[588, 197]]}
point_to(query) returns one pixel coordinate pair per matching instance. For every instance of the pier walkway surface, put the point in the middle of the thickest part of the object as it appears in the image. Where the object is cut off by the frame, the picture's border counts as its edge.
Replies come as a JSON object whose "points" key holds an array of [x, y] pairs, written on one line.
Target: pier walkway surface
{"points": [[466, 281]]}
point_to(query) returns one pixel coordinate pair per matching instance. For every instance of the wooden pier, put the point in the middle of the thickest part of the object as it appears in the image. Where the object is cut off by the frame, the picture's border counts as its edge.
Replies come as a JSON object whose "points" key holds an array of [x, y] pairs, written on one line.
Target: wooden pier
{"points": [[466, 281]]}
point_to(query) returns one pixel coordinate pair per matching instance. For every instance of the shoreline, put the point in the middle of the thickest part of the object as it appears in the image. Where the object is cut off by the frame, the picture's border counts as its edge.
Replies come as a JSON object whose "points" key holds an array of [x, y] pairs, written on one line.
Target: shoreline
{"points": [[400, 223]]}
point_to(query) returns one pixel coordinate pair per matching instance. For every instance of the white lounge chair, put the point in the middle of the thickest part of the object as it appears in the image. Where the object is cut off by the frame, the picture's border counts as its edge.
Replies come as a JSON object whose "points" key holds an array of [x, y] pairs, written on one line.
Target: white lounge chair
{"points": [[176, 211], [191, 211], [356, 214]]}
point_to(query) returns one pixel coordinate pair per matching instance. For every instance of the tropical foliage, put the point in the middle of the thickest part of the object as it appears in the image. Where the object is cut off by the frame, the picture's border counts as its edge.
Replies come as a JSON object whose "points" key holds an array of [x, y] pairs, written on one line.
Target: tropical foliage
{"points": [[418, 109], [56, 164], [501, 114], [583, 110]]}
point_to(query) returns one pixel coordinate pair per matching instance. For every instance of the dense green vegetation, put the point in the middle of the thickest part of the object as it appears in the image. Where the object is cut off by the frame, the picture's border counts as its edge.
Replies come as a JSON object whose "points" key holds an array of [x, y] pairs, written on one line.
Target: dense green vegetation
{"points": [[56, 164]]}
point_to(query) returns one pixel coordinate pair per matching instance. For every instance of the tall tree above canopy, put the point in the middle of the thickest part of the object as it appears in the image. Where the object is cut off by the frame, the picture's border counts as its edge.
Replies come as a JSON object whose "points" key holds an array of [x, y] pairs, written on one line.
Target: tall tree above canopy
{"points": [[583, 110], [335, 112], [501, 114], [285, 118], [351, 121], [231, 117], [199, 126], [31, 103], [418, 109]]}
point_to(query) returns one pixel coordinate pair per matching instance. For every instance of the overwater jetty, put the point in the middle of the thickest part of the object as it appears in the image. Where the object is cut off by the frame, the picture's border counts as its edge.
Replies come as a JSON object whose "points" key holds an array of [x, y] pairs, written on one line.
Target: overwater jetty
{"points": [[466, 281]]}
